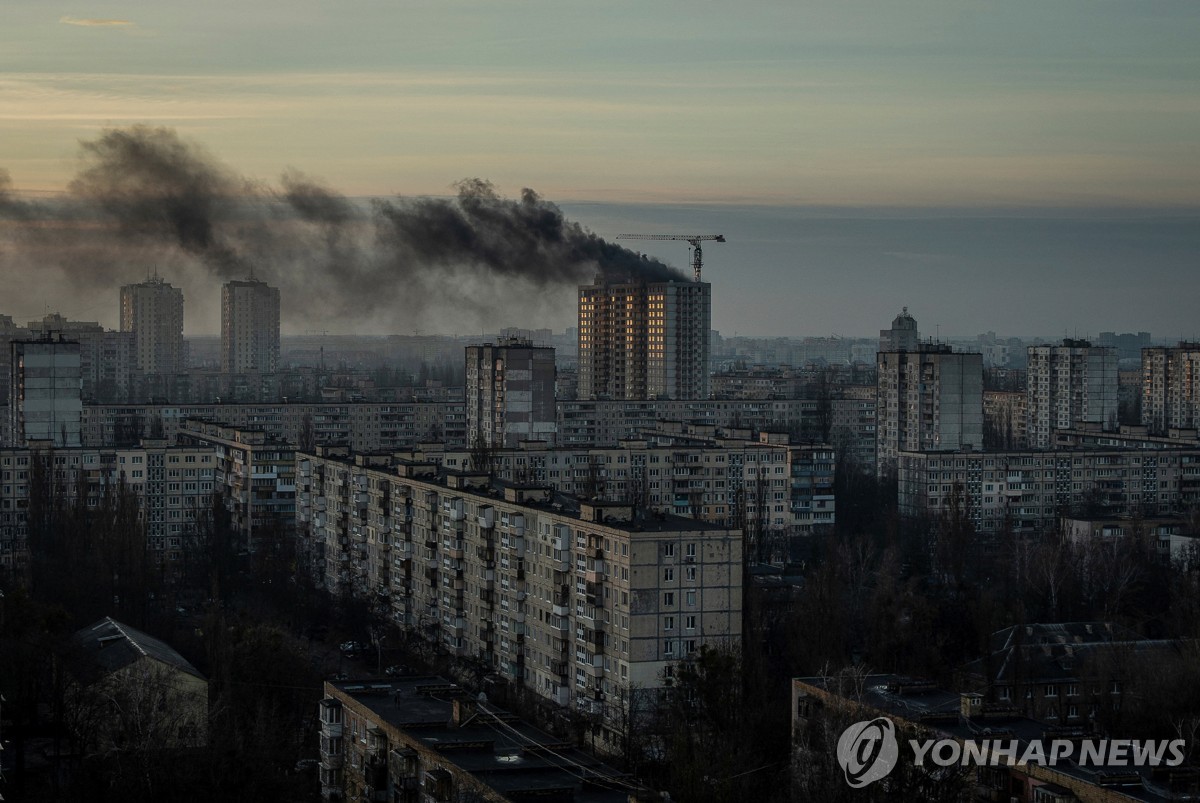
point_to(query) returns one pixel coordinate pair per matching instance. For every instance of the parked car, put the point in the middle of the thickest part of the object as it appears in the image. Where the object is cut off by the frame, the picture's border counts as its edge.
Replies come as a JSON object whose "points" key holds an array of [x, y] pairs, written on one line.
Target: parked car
{"points": [[353, 646], [397, 671]]}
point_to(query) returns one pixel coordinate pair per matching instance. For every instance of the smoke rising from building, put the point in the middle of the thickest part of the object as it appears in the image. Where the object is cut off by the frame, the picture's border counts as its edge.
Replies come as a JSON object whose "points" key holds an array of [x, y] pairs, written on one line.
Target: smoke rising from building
{"points": [[145, 198]]}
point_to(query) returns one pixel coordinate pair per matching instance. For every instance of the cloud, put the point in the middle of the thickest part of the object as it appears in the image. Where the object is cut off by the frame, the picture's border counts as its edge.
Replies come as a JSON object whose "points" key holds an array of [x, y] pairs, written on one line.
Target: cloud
{"points": [[97, 23]]}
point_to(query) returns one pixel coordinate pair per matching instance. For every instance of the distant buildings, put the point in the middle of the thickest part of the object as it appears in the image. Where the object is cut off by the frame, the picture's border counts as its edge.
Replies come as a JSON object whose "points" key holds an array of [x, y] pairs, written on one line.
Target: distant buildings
{"points": [[510, 393], [902, 336], [1027, 491], [249, 327], [45, 402], [1171, 388], [1067, 385], [930, 399], [640, 340], [153, 311]]}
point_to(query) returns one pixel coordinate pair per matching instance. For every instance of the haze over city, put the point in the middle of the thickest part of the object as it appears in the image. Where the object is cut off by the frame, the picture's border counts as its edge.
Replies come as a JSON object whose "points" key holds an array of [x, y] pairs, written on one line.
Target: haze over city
{"points": [[1026, 168]]}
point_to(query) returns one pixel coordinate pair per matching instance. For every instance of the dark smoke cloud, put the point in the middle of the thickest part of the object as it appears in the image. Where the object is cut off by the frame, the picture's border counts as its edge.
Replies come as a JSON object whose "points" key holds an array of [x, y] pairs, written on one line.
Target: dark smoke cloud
{"points": [[144, 198]]}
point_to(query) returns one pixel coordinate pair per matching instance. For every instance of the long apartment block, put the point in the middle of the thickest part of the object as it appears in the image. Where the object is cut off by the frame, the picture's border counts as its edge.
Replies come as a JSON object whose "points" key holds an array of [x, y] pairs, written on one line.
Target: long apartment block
{"points": [[573, 601], [173, 486], [722, 477], [1028, 490]]}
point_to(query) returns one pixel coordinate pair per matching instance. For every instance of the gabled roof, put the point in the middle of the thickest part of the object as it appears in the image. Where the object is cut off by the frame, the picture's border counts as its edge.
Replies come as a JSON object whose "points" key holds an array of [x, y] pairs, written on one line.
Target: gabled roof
{"points": [[112, 645]]}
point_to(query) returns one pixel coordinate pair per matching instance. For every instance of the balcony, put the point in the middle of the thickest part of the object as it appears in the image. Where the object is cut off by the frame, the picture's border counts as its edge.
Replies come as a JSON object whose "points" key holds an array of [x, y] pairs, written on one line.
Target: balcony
{"points": [[487, 518]]}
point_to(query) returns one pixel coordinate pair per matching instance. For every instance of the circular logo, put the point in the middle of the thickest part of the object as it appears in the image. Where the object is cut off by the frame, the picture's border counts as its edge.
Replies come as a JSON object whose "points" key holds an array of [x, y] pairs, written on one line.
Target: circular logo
{"points": [[868, 751]]}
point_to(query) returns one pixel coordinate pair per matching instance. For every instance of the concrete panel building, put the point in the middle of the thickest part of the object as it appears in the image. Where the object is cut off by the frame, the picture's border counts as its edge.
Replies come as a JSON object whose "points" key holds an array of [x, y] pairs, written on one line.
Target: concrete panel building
{"points": [[1067, 385], [903, 335], [640, 340], [1171, 388], [510, 393], [153, 311], [573, 601], [930, 399], [45, 385], [249, 327]]}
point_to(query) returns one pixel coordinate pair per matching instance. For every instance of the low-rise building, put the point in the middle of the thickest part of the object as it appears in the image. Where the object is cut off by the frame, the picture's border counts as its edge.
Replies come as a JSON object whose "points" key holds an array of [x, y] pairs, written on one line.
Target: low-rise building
{"points": [[425, 739]]}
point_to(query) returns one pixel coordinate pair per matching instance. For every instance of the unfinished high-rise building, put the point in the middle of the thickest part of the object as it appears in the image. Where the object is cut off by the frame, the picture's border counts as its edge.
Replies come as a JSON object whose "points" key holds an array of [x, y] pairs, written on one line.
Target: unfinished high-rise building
{"points": [[644, 340]]}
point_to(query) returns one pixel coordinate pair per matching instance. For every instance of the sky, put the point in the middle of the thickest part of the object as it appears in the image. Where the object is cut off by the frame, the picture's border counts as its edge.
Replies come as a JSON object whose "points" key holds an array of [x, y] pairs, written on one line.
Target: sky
{"points": [[628, 112]]}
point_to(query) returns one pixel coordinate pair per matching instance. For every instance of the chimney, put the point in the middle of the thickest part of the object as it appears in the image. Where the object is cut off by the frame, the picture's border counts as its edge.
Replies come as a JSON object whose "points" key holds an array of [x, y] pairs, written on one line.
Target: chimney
{"points": [[462, 711]]}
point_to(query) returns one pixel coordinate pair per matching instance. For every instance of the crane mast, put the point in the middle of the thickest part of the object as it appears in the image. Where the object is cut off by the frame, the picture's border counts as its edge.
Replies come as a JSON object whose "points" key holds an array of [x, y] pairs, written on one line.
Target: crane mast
{"points": [[693, 239]]}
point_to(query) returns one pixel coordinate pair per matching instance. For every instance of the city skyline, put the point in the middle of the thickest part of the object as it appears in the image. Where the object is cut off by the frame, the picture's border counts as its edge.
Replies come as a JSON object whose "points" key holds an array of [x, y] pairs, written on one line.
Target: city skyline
{"points": [[1025, 169]]}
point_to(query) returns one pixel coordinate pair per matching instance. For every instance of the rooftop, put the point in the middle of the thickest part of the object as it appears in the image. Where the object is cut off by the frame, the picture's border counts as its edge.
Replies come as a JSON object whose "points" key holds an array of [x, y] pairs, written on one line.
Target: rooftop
{"points": [[493, 745]]}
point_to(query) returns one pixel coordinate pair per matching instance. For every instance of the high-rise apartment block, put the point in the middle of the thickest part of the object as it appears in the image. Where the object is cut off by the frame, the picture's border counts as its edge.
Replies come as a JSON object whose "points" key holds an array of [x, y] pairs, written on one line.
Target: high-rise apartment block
{"points": [[153, 311], [573, 601], [928, 400], [249, 327], [510, 393], [644, 340], [1067, 385], [902, 336], [45, 403], [1171, 388]]}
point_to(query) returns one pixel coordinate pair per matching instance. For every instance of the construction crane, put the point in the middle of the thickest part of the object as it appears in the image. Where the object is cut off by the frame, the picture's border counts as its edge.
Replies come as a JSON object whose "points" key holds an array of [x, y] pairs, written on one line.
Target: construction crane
{"points": [[694, 239]]}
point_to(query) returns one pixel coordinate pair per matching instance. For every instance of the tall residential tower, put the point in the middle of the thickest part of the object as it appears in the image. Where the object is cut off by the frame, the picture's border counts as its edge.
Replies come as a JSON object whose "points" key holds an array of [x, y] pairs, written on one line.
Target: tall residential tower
{"points": [[249, 327], [510, 393], [153, 311], [644, 340]]}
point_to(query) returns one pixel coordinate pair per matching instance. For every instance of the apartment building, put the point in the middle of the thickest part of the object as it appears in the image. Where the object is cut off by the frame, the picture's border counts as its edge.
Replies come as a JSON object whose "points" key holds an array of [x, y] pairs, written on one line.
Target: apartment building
{"points": [[249, 327], [731, 478], [854, 419], [1171, 388], [903, 335], [570, 600], [364, 426], [153, 311], [425, 739], [1029, 490], [1067, 385], [1006, 419], [644, 340], [605, 423], [173, 486], [927, 400], [255, 474], [510, 393], [45, 384]]}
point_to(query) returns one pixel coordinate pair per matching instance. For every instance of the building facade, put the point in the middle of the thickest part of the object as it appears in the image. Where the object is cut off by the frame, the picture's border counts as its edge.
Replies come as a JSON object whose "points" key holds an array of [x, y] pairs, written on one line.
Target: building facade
{"points": [[510, 393], [173, 486], [249, 327], [570, 600], [153, 311], [45, 403], [255, 475], [1171, 388], [927, 400], [640, 340], [1070, 384], [1014, 491]]}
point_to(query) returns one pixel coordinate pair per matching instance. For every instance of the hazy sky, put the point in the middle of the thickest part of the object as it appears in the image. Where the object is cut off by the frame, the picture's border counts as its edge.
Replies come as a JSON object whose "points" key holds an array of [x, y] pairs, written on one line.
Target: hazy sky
{"points": [[808, 101], [625, 111]]}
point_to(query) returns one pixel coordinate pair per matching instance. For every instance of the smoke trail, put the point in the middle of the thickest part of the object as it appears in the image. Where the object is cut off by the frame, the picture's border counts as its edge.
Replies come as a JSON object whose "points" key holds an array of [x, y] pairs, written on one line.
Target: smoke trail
{"points": [[145, 197]]}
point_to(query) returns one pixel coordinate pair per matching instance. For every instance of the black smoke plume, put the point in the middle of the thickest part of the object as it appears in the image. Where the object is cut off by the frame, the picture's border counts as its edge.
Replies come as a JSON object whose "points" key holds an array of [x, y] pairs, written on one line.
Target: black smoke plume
{"points": [[144, 198]]}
